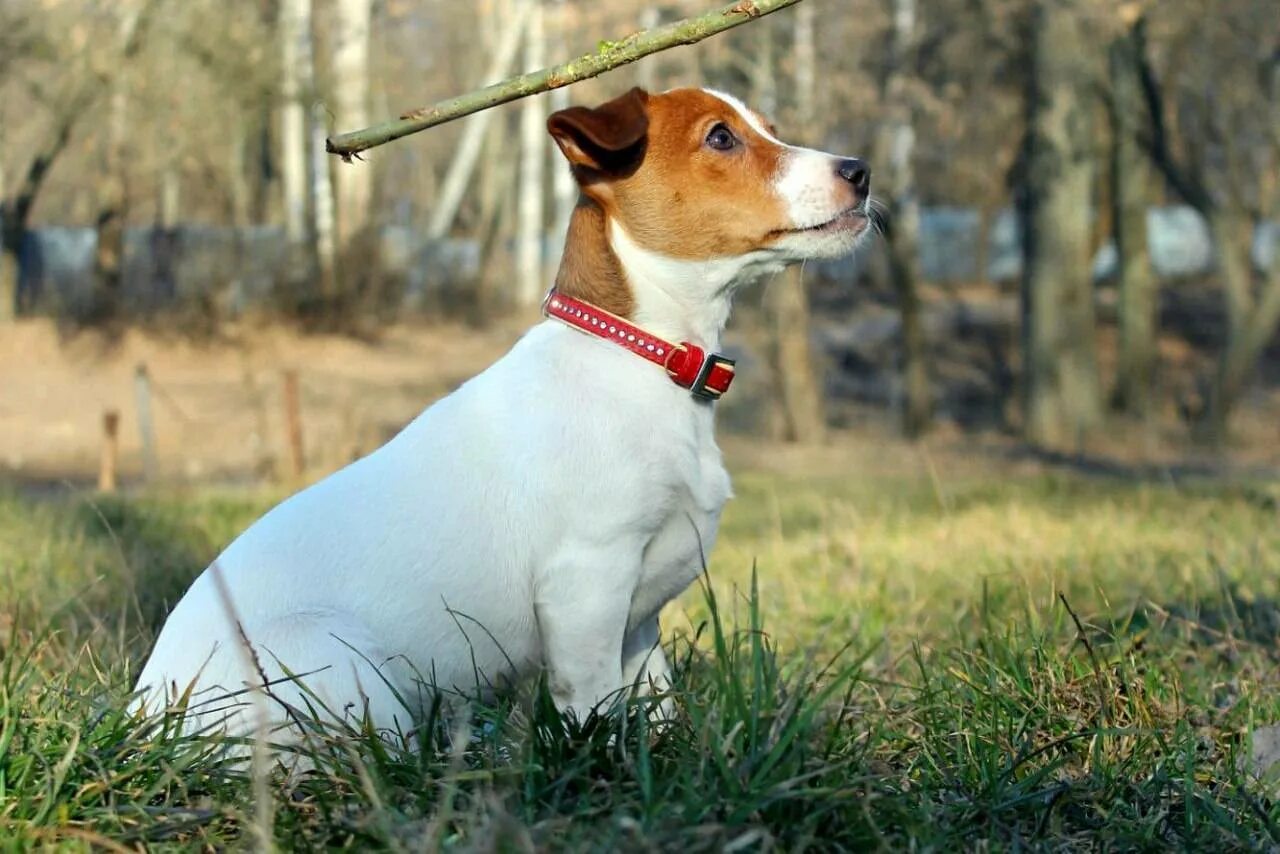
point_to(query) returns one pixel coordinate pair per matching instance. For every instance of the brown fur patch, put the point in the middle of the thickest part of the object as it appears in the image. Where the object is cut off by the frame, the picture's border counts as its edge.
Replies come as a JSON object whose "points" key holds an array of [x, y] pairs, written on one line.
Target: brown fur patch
{"points": [[588, 269], [682, 198], [687, 200]]}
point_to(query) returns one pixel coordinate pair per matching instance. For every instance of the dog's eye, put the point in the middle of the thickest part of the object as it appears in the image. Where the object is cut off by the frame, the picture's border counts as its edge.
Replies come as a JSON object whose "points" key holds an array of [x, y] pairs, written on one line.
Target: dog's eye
{"points": [[721, 138]]}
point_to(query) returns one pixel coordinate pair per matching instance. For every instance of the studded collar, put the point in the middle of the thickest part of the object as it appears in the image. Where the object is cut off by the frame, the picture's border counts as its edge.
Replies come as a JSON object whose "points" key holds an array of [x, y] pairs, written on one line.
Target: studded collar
{"points": [[706, 375]]}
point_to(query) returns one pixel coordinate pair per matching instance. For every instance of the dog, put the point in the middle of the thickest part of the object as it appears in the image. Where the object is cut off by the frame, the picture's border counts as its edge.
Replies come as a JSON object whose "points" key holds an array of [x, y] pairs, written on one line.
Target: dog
{"points": [[540, 516]]}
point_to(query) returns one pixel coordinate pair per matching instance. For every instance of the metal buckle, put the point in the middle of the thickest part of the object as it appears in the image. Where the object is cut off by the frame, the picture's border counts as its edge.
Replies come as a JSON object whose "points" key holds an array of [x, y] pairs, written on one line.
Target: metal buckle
{"points": [[699, 386]]}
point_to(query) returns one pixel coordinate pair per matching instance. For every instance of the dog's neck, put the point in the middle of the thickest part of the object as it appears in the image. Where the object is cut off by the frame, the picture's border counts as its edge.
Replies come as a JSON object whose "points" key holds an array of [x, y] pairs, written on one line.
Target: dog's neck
{"points": [[675, 298]]}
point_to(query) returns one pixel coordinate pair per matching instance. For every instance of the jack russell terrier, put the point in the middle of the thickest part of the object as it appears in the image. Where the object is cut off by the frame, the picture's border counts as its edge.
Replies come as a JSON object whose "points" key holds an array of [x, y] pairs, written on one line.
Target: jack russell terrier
{"points": [[541, 515]]}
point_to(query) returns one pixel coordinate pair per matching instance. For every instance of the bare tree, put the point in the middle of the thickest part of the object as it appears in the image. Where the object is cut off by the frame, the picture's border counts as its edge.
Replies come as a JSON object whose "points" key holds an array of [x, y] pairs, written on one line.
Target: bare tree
{"points": [[1219, 149], [68, 106], [458, 175], [322, 216], [349, 66], [533, 159], [1060, 370], [113, 189], [896, 151], [1136, 281], [296, 86], [786, 302]]}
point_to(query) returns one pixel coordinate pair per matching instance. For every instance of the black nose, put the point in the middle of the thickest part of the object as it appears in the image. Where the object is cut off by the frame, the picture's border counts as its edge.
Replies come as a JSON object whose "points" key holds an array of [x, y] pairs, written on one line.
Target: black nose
{"points": [[856, 173]]}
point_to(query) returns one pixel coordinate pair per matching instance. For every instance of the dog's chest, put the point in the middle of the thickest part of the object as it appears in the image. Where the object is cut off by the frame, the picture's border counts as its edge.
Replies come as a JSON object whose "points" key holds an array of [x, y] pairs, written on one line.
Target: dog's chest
{"points": [[682, 544]]}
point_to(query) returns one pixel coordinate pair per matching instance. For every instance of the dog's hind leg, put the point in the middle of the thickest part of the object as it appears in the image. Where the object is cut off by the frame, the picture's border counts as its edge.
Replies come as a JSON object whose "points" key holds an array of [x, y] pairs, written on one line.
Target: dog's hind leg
{"points": [[300, 670]]}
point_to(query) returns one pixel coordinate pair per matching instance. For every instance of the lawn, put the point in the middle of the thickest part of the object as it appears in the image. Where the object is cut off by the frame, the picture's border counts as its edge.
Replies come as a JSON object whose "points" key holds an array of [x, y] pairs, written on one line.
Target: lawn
{"points": [[1021, 659]]}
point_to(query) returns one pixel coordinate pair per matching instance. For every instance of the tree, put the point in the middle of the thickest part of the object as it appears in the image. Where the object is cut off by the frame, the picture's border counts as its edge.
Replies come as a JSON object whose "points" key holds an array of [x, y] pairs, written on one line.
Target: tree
{"points": [[896, 150], [349, 66], [296, 85], [1218, 147], [1136, 281], [1059, 362], [113, 189], [533, 162], [786, 302], [68, 107]]}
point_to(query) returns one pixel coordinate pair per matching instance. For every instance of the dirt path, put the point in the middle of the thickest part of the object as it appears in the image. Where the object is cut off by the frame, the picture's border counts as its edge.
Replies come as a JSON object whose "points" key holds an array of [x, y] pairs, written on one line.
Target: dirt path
{"points": [[217, 405]]}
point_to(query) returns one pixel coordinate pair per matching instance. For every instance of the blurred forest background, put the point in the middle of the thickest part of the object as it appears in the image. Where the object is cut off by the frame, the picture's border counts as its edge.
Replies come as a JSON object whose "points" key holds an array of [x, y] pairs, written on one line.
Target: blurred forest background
{"points": [[1080, 249]]}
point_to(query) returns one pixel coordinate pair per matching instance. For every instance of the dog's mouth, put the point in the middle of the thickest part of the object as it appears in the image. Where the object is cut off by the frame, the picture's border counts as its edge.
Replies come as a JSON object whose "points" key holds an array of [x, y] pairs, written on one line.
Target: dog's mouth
{"points": [[853, 219]]}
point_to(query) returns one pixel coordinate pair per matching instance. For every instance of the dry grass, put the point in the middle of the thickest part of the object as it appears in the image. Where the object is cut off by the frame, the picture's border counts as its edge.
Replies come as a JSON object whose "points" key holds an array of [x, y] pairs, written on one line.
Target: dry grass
{"points": [[968, 707]]}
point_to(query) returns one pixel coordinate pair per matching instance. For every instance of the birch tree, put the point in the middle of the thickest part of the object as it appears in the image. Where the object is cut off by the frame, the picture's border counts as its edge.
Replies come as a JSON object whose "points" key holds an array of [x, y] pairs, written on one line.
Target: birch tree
{"points": [[296, 85], [458, 175], [349, 66], [530, 282], [322, 216], [786, 302]]}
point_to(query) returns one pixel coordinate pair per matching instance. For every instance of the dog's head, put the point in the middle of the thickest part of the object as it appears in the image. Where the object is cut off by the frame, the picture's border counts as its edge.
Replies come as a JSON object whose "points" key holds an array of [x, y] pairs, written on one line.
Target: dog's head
{"points": [[694, 175]]}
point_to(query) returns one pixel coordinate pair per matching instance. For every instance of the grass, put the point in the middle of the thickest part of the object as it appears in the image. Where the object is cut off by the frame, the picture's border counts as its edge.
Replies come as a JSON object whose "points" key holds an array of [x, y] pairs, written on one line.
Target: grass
{"points": [[1031, 661]]}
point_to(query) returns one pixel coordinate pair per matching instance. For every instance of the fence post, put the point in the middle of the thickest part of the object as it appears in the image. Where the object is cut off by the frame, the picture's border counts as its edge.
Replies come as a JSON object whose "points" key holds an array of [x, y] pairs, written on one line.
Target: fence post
{"points": [[293, 422], [146, 428], [110, 451]]}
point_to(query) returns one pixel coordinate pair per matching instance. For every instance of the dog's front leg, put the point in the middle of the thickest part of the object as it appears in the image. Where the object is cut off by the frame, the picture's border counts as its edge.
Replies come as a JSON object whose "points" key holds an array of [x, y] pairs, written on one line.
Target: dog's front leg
{"points": [[644, 665], [582, 618]]}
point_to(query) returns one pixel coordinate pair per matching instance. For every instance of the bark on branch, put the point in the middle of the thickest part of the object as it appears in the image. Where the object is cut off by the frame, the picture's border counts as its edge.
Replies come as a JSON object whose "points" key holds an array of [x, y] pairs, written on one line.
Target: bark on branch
{"points": [[609, 56]]}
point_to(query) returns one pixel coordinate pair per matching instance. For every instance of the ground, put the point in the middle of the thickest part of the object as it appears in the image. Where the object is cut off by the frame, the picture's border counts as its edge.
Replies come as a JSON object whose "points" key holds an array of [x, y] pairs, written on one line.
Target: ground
{"points": [[941, 647]]}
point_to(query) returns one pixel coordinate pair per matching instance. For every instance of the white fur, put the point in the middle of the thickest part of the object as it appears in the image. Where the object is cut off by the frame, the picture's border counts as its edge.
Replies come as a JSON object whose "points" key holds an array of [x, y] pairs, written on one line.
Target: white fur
{"points": [[538, 517], [541, 514]]}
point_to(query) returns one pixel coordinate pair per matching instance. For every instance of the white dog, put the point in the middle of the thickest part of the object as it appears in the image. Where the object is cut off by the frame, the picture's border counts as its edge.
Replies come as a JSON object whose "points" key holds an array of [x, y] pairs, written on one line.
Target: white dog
{"points": [[543, 513]]}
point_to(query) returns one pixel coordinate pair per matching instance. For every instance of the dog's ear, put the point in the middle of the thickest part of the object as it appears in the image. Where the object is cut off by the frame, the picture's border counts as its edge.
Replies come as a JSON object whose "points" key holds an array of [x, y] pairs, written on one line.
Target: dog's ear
{"points": [[604, 140]]}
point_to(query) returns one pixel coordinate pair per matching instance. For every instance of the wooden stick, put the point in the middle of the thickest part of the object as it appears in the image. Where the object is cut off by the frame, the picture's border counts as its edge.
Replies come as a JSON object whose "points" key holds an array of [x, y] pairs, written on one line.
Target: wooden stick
{"points": [[110, 451], [608, 56], [146, 428], [293, 422]]}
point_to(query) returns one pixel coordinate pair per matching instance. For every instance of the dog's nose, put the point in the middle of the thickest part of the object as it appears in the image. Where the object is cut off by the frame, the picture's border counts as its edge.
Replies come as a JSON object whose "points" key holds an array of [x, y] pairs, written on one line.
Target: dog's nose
{"points": [[856, 173]]}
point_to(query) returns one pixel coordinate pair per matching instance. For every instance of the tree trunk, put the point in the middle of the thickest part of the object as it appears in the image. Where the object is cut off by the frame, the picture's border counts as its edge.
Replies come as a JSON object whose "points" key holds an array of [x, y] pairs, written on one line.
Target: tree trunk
{"points": [[986, 219], [897, 148], [350, 68], [447, 201], [238, 146], [1136, 282], [8, 284], [295, 88], [1251, 322], [8, 257], [113, 200], [647, 68], [1059, 362], [799, 411], [113, 189], [530, 281], [322, 221], [1254, 320]]}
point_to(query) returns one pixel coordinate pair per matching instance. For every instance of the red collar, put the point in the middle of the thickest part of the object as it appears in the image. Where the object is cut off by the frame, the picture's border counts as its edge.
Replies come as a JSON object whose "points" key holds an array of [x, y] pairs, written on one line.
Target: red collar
{"points": [[706, 375]]}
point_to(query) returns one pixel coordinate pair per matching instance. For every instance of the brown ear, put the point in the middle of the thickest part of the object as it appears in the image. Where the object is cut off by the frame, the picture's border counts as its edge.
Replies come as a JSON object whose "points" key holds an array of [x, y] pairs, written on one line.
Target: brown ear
{"points": [[605, 138]]}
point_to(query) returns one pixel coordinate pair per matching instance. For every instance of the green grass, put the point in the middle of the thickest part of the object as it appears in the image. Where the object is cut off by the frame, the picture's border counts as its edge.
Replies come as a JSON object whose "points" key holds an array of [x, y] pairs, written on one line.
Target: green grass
{"points": [[874, 663]]}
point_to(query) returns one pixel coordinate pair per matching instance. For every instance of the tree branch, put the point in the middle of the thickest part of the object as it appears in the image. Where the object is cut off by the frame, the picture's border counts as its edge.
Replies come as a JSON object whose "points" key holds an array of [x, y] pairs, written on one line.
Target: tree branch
{"points": [[609, 56], [1184, 181]]}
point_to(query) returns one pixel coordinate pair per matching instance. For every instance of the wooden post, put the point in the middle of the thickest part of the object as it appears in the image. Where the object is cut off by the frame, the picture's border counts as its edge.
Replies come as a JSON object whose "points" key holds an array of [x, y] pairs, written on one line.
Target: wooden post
{"points": [[146, 428], [293, 422], [110, 451]]}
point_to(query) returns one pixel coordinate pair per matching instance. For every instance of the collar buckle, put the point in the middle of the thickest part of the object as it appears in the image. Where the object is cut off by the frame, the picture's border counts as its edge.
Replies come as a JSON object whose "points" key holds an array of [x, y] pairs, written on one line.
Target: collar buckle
{"points": [[699, 388]]}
